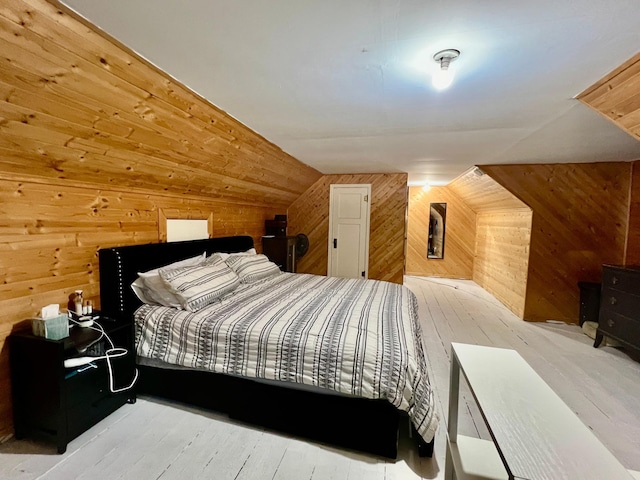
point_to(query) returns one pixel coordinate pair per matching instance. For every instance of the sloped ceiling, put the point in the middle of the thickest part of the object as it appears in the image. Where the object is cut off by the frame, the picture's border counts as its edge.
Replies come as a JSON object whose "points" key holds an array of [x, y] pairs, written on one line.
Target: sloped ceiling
{"points": [[617, 96], [77, 109], [482, 193], [344, 86]]}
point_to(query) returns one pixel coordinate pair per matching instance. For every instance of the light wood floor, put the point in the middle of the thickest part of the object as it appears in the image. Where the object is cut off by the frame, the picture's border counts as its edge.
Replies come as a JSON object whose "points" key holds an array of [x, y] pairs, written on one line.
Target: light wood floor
{"points": [[154, 439]]}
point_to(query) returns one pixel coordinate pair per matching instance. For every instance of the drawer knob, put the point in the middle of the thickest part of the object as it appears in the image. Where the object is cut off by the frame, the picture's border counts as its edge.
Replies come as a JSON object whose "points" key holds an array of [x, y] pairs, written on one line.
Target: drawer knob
{"points": [[614, 280], [613, 300], [610, 322]]}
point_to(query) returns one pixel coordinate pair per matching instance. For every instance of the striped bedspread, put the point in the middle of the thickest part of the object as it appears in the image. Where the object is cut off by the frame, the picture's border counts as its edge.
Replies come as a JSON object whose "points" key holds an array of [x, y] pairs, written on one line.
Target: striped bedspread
{"points": [[356, 337]]}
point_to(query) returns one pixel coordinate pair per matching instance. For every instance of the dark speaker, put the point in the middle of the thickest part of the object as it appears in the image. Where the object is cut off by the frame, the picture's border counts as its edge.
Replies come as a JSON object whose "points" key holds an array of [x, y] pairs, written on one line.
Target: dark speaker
{"points": [[276, 227], [589, 301]]}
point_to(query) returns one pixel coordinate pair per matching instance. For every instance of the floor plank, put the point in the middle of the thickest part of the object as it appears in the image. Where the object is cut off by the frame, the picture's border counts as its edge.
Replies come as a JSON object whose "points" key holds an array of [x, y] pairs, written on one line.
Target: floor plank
{"points": [[157, 439]]}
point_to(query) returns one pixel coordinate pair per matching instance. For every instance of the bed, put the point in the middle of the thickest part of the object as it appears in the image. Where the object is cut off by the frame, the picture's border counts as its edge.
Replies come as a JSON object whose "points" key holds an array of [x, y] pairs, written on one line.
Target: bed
{"points": [[284, 352]]}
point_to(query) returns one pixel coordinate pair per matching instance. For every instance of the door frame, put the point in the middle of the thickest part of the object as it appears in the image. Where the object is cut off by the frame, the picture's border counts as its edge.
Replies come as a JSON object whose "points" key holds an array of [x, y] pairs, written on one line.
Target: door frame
{"points": [[332, 188]]}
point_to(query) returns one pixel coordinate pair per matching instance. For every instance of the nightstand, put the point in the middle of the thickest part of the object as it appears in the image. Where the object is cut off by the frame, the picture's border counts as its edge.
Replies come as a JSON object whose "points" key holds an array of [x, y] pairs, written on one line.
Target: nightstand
{"points": [[60, 403]]}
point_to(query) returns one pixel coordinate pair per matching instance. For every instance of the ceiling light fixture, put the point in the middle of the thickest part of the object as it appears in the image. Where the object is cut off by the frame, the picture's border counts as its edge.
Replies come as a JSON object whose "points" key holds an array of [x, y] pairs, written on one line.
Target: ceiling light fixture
{"points": [[426, 187], [443, 77]]}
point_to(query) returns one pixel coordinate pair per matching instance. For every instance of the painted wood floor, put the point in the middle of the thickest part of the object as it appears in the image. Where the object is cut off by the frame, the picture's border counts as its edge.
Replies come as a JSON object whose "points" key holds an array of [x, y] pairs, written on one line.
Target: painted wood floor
{"points": [[154, 439]]}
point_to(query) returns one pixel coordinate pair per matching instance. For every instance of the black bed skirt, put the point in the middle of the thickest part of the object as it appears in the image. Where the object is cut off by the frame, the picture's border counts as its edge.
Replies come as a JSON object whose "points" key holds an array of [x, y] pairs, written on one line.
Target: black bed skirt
{"points": [[360, 424]]}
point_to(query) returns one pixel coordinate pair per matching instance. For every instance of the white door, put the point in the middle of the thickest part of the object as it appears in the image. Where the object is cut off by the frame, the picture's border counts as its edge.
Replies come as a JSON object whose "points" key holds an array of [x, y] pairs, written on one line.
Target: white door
{"points": [[349, 231]]}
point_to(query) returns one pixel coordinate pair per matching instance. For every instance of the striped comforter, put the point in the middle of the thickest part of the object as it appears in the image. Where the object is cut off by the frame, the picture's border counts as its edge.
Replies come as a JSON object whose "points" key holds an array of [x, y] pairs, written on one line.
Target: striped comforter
{"points": [[356, 337]]}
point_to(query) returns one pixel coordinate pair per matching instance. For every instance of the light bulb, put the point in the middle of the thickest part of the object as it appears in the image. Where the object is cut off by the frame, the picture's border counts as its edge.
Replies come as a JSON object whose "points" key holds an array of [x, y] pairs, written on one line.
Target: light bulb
{"points": [[426, 187], [442, 78]]}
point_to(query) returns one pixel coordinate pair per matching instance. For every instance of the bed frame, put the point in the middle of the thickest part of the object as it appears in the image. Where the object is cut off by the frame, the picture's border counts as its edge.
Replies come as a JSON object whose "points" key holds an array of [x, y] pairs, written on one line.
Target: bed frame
{"points": [[356, 423]]}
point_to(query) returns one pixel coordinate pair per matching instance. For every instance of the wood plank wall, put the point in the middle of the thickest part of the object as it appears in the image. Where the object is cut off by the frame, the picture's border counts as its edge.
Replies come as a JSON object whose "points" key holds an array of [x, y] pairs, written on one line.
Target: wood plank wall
{"points": [[498, 239], [93, 142], [632, 251], [310, 215], [579, 223], [483, 194], [617, 96], [502, 255], [76, 107], [460, 233], [503, 231]]}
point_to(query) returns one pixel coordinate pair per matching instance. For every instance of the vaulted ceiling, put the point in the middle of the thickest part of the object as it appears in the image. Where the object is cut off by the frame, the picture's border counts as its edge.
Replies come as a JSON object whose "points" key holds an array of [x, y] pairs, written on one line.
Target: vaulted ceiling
{"points": [[344, 86]]}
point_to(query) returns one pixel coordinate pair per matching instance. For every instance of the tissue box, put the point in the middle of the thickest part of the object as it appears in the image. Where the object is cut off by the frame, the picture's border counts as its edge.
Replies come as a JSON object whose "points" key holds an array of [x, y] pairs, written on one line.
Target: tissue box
{"points": [[54, 328]]}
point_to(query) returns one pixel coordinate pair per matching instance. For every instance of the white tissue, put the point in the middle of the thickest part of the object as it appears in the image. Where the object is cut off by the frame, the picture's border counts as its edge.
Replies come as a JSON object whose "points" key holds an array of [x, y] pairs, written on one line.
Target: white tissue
{"points": [[50, 311]]}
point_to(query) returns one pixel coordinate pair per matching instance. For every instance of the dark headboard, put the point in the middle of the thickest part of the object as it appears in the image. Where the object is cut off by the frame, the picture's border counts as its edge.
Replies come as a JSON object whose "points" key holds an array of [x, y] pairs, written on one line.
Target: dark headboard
{"points": [[119, 267]]}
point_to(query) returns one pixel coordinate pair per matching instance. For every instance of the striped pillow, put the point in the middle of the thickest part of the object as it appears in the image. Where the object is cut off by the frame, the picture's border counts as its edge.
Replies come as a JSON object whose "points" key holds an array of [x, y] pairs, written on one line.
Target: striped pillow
{"points": [[197, 287], [252, 268], [213, 259], [221, 256], [150, 288]]}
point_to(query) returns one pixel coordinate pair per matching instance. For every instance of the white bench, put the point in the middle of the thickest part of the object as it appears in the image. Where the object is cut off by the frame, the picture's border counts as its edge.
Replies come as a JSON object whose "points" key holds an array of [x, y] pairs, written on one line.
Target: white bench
{"points": [[534, 434]]}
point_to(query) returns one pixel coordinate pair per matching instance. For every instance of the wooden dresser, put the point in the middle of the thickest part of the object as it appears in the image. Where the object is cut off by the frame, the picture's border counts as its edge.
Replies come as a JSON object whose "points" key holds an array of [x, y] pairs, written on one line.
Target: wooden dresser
{"points": [[620, 305]]}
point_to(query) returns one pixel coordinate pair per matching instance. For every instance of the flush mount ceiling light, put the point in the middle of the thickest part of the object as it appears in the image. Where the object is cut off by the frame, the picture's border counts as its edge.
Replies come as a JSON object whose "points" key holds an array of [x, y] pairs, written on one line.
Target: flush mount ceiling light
{"points": [[443, 77]]}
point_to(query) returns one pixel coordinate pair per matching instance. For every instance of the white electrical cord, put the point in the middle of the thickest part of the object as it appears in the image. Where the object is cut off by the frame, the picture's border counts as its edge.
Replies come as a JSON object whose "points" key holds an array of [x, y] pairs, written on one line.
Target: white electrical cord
{"points": [[110, 353]]}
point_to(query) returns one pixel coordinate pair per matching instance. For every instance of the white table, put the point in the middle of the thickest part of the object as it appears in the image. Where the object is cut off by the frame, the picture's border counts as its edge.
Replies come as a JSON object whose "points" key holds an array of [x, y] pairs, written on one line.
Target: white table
{"points": [[534, 434]]}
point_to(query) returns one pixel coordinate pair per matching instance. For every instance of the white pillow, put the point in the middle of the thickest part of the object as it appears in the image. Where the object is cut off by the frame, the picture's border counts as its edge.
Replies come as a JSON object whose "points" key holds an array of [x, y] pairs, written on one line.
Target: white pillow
{"points": [[150, 288], [156, 290], [252, 268], [142, 292], [197, 287]]}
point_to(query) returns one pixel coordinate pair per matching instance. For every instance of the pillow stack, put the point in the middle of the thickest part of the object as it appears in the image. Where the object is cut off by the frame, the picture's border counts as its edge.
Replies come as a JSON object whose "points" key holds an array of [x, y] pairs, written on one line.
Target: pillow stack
{"points": [[196, 282], [197, 287]]}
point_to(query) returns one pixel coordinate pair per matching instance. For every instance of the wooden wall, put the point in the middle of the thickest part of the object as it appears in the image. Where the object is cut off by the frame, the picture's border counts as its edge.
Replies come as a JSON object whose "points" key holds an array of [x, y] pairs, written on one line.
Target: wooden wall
{"points": [[78, 108], [93, 143], [309, 214], [503, 230], [460, 232], [482, 193], [632, 250], [502, 255], [617, 96], [579, 223]]}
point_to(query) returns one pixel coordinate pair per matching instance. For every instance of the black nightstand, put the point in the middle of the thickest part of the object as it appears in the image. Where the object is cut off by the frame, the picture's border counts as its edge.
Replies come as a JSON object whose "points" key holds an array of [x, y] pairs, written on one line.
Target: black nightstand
{"points": [[589, 301], [61, 403]]}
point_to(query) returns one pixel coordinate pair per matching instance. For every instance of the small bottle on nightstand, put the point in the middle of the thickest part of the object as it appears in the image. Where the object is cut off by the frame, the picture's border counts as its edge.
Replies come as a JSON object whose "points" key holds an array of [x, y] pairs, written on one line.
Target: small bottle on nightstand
{"points": [[78, 302], [88, 307]]}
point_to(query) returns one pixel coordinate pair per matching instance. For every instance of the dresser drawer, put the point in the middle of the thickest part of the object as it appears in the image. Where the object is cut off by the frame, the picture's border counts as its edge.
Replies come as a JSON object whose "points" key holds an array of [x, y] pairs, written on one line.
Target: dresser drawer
{"points": [[620, 302], [619, 326], [87, 386], [622, 280], [81, 419]]}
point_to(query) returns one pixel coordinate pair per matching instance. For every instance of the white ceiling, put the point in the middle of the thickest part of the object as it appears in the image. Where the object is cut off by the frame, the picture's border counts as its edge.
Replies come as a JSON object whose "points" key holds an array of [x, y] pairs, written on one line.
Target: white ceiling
{"points": [[343, 85]]}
